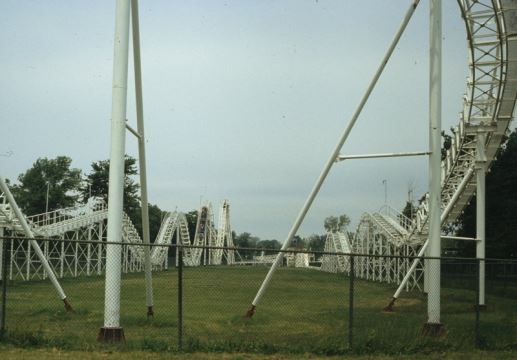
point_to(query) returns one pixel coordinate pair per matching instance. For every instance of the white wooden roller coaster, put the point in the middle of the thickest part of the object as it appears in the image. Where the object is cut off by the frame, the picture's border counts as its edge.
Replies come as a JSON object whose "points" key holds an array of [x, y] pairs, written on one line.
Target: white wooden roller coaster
{"points": [[88, 222], [488, 108], [489, 101]]}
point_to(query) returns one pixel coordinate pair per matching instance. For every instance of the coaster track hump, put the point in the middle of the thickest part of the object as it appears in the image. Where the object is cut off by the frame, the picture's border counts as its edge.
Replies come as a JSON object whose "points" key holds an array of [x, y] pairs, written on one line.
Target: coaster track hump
{"points": [[87, 222], [206, 236], [488, 107]]}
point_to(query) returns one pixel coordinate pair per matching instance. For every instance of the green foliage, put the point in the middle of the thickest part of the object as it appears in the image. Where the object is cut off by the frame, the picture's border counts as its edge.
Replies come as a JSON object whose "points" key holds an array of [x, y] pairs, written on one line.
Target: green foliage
{"points": [[501, 207], [269, 244], [272, 245], [96, 184], [336, 223], [246, 240], [316, 242], [57, 176], [192, 222], [298, 243], [155, 220], [409, 210]]}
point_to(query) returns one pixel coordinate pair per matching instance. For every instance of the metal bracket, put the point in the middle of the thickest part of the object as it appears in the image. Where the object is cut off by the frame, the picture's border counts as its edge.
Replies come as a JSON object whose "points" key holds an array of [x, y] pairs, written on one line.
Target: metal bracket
{"points": [[386, 155], [133, 131]]}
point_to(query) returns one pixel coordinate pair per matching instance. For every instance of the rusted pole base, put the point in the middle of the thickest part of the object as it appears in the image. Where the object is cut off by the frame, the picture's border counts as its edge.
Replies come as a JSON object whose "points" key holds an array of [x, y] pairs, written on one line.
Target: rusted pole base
{"points": [[111, 335], [389, 308], [433, 329], [150, 312], [250, 312], [68, 306]]}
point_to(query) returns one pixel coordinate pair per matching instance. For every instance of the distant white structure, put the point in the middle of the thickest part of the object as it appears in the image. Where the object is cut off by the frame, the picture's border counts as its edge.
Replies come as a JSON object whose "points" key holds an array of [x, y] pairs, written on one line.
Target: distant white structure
{"points": [[88, 222]]}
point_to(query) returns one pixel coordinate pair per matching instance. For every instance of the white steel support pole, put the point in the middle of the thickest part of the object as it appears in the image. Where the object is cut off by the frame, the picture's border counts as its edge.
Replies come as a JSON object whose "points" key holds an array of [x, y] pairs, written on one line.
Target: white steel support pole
{"points": [[433, 325], [33, 244], [89, 251], [100, 247], [177, 243], [331, 160], [141, 156], [480, 213], [426, 272], [112, 330]]}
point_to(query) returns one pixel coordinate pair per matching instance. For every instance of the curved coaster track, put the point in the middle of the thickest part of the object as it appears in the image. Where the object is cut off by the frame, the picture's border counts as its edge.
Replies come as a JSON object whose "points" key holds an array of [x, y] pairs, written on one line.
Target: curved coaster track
{"points": [[483, 126]]}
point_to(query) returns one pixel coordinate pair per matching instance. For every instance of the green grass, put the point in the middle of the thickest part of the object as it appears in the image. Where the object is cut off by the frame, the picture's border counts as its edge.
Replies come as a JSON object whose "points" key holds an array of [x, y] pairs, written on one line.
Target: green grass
{"points": [[304, 311]]}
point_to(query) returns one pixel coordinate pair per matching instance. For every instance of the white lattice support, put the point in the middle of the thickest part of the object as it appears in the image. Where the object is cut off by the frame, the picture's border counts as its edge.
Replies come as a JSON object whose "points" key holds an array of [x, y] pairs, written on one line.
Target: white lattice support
{"points": [[12, 261], [89, 252], [28, 261], [100, 248]]}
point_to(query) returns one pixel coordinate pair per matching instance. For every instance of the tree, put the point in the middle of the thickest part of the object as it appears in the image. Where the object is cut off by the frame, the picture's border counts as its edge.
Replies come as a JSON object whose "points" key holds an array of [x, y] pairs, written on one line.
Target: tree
{"points": [[501, 207], [271, 245], [155, 220], [298, 243], [447, 142], [316, 242], [97, 182], [335, 224], [191, 222], [246, 240], [409, 212], [54, 175]]}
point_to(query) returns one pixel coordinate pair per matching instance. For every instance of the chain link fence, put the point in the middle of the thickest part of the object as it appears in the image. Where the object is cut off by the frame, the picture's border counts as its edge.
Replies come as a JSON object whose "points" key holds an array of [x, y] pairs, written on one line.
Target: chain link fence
{"points": [[305, 309]]}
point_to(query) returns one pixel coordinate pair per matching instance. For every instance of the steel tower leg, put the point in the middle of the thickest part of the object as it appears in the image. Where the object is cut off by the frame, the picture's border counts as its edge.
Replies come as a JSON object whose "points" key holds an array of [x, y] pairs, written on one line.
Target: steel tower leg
{"points": [[426, 272], [433, 326], [332, 159], [112, 332], [480, 213], [141, 156], [33, 244]]}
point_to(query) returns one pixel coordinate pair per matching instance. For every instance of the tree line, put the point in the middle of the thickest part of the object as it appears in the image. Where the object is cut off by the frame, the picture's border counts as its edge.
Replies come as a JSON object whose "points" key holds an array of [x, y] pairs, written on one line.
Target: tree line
{"points": [[52, 184]]}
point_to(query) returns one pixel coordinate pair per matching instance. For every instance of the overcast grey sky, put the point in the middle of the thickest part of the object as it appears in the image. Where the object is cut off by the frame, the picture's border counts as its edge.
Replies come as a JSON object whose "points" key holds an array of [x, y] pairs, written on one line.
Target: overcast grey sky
{"points": [[243, 100]]}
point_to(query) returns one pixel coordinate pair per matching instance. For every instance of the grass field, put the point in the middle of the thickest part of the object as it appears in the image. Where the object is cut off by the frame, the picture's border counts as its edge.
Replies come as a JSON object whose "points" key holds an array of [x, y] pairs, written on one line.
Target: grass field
{"points": [[304, 311]]}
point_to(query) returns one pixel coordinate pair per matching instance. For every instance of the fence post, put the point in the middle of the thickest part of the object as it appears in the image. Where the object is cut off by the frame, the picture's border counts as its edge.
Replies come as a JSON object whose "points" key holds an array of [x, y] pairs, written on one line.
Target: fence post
{"points": [[504, 278], [4, 287], [476, 328], [180, 297], [351, 302]]}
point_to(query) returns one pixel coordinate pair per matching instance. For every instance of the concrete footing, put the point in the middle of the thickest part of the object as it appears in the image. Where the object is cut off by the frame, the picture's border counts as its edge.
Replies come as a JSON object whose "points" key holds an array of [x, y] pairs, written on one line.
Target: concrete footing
{"points": [[111, 335], [433, 329], [150, 312], [481, 307]]}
